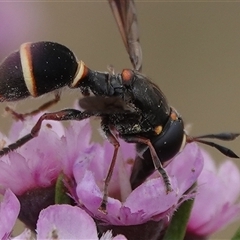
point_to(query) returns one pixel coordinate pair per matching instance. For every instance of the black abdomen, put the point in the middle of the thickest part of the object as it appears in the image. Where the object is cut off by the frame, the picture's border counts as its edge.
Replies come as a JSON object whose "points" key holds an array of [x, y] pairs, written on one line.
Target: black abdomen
{"points": [[12, 84], [36, 69], [54, 66]]}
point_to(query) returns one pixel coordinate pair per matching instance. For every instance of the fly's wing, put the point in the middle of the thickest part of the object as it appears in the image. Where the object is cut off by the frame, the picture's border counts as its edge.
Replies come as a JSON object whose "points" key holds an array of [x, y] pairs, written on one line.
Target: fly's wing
{"points": [[125, 15], [105, 105]]}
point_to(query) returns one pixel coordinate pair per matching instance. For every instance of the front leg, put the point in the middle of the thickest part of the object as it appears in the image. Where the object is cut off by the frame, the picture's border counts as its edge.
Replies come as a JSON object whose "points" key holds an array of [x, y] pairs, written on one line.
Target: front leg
{"points": [[113, 140], [22, 116], [67, 114], [156, 161]]}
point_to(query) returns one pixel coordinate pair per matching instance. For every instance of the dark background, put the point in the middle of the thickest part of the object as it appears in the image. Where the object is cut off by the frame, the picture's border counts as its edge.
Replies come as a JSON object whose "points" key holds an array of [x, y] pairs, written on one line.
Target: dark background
{"points": [[191, 50]]}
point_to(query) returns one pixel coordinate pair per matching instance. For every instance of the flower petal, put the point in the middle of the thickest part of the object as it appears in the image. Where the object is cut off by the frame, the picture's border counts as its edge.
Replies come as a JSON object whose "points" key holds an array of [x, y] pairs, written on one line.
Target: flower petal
{"points": [[186, 167], [119, 237], [230, 176], [9, 210], [223, 188], [108, 236], [65, 222]]}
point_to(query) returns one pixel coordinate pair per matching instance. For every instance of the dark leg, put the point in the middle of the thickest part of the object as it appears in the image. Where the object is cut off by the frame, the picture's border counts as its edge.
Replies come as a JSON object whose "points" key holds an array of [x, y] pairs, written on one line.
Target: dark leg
{"points": [[113, 140], [20, 116], [156, 161], [67, 114]]}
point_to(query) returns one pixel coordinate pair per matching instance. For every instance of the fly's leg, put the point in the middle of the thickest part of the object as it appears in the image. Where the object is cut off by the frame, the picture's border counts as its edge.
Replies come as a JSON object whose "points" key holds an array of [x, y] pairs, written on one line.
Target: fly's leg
{"points": [[22, 116]]}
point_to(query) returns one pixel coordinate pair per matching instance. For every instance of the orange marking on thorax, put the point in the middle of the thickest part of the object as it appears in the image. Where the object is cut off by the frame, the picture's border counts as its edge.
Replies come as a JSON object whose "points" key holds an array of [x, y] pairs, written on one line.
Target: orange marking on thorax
{"points": [[127, 75], [174, 116], [158, 129]]}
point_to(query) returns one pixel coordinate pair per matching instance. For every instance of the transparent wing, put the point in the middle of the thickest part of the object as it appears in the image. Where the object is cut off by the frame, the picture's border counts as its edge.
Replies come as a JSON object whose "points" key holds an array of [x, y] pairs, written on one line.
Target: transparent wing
{"points": [[125, 15]]}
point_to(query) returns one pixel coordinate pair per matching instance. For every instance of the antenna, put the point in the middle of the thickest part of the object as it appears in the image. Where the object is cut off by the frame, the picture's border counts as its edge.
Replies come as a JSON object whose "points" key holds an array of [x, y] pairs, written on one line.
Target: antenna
{"points": [[219, 136]]}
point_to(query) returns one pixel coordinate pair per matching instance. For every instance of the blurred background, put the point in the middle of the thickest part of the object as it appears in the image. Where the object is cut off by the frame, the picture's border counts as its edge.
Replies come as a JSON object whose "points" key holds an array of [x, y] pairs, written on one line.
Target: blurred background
{"points": [[191, 50]]}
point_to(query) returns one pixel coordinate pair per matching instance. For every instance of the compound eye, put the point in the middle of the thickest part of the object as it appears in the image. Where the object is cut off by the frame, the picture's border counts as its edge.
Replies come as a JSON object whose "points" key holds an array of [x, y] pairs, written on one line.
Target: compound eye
{"points": [[170, 141], [127, 76]]}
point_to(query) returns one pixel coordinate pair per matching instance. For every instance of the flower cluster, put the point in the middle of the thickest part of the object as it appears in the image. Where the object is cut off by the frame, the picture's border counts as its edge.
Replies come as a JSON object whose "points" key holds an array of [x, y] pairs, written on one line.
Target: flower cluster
{"points": [[54, 222], [28, 179]]}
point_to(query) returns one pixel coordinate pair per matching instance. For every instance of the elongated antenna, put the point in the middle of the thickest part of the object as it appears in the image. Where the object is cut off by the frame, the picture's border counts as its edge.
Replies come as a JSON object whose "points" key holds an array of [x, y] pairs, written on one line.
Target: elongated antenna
{"points": [[219, 136]]}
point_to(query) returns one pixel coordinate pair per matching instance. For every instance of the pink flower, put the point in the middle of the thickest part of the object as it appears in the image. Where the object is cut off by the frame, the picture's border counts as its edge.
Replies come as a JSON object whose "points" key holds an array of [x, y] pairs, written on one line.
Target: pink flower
{"points": [[32, 170], [148, 202], [9, 210], [55, 222], [68, 222], [215, 204]]}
